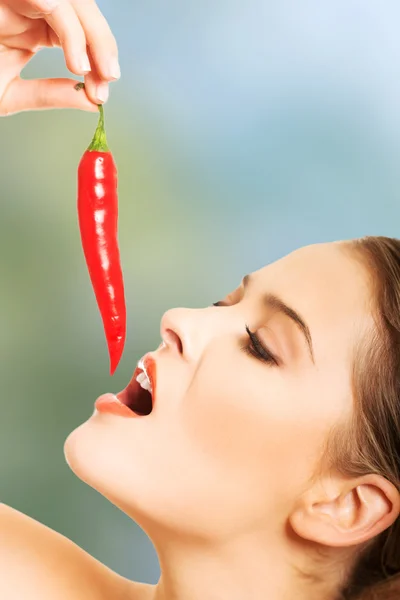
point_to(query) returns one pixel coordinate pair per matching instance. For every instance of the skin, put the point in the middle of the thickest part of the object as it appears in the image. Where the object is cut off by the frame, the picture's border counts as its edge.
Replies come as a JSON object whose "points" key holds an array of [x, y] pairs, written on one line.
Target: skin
{"points": [[76, 26], [219, 475]]}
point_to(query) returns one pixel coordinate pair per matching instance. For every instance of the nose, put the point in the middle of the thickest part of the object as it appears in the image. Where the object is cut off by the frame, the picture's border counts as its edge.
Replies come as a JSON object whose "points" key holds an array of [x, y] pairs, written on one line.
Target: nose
{"points": [[188, 331], [174, 331]]}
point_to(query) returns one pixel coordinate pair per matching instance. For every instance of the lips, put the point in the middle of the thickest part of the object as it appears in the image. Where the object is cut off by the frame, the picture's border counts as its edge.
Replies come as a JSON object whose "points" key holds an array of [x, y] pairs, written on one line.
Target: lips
{"points": [[134, 396]]}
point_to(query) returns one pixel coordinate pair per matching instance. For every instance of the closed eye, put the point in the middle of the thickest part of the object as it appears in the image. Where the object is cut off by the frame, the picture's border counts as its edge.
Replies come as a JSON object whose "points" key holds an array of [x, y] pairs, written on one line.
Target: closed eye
{"points": [[256, 348], [259, 350]]}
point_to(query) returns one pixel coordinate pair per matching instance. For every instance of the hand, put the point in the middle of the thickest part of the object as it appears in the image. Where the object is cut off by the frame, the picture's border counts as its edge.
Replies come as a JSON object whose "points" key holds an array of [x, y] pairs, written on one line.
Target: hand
{"points": [[89, 47]]}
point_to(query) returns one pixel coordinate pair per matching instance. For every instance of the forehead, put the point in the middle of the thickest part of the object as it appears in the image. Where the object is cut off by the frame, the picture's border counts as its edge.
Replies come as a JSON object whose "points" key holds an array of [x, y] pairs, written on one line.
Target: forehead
{"points": [[330, 289]]}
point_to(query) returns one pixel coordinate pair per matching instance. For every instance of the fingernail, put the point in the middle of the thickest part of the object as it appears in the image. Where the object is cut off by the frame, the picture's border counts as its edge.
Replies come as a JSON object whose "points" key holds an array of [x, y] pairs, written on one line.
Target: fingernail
{"points": [[85, 64], [102, 92], [115, 69], [50, 5]]}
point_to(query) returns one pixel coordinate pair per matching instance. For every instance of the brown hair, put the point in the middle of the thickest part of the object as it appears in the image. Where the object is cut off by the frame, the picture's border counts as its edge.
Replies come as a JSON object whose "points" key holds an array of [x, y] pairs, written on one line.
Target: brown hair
{"points": [[370, 443]]}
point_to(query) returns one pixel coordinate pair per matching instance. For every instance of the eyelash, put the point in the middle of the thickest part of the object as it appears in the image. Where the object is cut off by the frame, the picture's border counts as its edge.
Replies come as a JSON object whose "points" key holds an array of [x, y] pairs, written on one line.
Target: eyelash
{"points": [[256, 349]]}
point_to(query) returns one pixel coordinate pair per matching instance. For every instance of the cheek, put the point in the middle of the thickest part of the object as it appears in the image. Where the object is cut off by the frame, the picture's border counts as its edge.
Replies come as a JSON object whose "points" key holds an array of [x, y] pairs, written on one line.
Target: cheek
{"points": [[252, 432]]}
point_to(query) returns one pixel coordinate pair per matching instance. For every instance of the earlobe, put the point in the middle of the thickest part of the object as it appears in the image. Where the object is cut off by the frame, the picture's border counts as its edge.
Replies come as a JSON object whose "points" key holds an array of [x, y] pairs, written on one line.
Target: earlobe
{"points": [[353, 513]]}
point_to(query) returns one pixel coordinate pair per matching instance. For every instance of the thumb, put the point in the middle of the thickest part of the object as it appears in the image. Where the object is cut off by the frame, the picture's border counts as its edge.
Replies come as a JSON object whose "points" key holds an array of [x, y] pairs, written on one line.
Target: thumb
{"points": [[42, 94]]}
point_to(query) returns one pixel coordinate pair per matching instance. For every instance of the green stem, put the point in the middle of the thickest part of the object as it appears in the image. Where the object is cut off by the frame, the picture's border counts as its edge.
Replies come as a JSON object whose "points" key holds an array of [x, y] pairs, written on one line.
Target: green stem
{"points": [[99, 141]]}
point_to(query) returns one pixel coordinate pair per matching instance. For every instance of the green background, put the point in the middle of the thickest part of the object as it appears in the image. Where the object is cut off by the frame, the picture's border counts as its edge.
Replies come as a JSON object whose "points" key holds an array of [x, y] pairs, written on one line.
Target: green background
{"points": [[241, 131]]}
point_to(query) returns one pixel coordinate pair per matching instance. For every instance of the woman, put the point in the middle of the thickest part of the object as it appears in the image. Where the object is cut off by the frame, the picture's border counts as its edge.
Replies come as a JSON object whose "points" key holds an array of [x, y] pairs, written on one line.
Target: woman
{"points": [[268, 465]]}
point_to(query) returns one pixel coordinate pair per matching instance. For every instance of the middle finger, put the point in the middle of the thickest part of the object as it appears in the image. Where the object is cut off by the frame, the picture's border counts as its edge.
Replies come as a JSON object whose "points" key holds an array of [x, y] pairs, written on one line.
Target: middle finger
{"points": [[65, 23], [101, 41]]}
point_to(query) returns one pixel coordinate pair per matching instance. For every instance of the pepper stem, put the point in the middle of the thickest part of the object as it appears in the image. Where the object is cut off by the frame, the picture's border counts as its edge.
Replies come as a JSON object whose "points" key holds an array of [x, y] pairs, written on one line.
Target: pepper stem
{"points": [[99, 141]]}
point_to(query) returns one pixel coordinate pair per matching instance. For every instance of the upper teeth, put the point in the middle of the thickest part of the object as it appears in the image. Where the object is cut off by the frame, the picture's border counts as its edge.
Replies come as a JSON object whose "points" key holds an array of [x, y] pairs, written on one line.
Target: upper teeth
{"points": [[143, 378]]}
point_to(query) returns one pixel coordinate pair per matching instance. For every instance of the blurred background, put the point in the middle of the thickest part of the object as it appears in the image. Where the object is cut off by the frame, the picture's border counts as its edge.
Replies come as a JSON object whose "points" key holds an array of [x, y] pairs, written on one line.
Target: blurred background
{"points": [[241, 131]]}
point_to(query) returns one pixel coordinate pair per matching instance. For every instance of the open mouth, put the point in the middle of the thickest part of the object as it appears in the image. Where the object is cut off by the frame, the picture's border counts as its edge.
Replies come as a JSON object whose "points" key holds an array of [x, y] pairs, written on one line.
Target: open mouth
{"points": [[137, 398], [139, 393]]}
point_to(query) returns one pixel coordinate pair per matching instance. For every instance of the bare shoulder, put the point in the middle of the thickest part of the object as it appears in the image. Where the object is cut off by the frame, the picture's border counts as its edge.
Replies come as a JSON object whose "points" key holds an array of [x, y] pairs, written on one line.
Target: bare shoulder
{"points": [[39, 563]]}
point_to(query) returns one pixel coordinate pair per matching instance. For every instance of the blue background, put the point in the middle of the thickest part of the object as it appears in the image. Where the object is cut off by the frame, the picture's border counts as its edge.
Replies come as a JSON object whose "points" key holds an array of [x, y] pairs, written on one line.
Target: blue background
{"points": [[242, 131]]}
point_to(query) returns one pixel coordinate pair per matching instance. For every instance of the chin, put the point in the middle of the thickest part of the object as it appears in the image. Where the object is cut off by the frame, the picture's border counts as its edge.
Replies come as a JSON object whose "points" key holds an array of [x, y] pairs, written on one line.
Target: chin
{"points": [[96, 453], [123, 466], [119, 459], [140, 467]]}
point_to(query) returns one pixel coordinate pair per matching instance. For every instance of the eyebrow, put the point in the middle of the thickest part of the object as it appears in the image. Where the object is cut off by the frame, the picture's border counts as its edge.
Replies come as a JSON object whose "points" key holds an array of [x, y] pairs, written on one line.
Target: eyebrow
{"points": [[273, 301]]}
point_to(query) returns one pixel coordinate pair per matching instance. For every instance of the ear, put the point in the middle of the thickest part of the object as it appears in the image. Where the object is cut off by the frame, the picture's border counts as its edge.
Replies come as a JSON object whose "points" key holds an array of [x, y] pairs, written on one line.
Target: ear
{"points": [[340, 512]]}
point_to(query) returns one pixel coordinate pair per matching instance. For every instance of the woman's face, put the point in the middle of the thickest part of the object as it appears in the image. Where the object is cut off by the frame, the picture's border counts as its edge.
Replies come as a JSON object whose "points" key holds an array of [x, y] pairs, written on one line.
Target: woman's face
{"points": [[232, 438]]}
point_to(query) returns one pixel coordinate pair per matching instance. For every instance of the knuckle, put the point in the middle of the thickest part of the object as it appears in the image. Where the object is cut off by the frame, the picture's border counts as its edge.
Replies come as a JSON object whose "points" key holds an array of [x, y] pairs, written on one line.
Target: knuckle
{"points": [[3, 19], [45, 7], [4, 105], [43, 99], [5, 110]]}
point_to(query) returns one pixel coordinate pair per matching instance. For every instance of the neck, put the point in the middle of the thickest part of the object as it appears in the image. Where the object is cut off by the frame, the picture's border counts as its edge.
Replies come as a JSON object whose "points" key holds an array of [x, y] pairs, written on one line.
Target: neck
{"points": [[248, 568]]}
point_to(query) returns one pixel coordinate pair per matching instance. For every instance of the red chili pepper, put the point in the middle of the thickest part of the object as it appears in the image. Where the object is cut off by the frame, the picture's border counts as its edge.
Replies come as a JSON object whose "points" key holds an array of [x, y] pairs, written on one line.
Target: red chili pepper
{"points": [[98, 223]]}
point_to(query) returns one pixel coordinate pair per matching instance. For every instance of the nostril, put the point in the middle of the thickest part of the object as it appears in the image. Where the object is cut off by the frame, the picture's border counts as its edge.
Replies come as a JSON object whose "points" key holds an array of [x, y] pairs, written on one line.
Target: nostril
{"points": [[172, 339]]}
